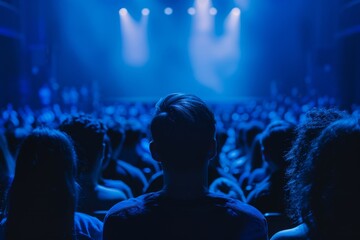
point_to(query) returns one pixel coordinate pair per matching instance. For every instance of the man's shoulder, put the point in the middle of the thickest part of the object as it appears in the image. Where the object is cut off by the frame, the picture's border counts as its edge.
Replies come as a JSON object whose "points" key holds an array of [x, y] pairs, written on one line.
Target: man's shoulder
{"points": [[131, 206], [210, 204], [235, 207]]}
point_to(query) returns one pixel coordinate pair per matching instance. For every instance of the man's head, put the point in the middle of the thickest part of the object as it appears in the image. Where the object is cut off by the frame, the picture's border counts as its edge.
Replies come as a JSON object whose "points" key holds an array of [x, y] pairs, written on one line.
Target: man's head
{"points": [[183, 132], [88, 135]]}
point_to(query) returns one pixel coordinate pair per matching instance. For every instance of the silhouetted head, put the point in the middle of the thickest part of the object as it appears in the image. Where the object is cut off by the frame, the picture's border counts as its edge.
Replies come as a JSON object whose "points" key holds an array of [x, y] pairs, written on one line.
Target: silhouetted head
{"points": [[276, 141], [42, 198], [255, 155], [251, 130], [183, 132], [88, 135], [116, 133], [307, 130], [334, 194]]}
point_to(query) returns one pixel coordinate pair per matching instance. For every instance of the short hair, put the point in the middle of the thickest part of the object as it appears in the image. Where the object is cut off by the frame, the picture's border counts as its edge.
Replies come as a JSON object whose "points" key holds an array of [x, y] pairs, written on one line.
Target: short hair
{"points": [[88, 134], [183, 127]]}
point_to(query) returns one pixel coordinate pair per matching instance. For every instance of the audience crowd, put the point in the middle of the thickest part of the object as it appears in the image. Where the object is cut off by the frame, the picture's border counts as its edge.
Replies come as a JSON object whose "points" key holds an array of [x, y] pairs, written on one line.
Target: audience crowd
{"points": [[293, 159]]}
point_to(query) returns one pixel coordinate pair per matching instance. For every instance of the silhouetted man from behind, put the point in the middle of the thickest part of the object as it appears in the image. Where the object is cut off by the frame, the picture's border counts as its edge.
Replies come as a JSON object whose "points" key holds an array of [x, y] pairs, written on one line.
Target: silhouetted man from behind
{"points": [[183, 141]]}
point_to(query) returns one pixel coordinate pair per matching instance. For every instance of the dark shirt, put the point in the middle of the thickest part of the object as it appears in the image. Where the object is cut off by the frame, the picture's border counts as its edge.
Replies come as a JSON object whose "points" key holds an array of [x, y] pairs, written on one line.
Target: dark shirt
{"points": [[157, 216], [85, 227]]}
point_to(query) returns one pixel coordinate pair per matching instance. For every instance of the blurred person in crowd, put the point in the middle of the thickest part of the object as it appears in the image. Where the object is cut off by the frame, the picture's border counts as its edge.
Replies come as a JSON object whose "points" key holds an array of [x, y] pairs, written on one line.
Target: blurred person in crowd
{"points": [[88, 134], [117, 169], [132, 150], [276, 141]]}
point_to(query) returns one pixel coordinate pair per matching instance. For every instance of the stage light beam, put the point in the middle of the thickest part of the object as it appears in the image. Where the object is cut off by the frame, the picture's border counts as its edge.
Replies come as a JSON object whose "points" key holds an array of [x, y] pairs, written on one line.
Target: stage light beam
{"points": [[135, 49]]}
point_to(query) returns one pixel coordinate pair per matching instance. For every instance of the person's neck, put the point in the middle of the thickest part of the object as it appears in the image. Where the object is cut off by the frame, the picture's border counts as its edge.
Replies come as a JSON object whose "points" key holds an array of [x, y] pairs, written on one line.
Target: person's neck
{"points": [[186, 185]]}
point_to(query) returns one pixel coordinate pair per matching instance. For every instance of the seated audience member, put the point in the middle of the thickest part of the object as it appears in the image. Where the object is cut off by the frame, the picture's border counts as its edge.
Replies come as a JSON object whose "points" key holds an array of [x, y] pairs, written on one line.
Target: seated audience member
{"points": [[42, 198], [276, 140], [7, 167], [118, 169], [256, 170], [216, 170], [333, 195], [308, 129], [250, 130], [183, 141], [112, 183], [133, 153], [88, 135]]}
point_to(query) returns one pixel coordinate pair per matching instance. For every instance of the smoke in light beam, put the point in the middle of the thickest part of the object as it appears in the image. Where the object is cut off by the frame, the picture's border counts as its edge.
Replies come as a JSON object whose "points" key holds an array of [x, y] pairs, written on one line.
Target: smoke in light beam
{"points": [[214, 58], [134, 36]]}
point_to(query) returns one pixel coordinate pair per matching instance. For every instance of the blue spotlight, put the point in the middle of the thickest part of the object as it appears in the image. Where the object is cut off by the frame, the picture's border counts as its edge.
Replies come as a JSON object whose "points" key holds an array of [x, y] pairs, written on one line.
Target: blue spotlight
{"points": [[145, 11], [168, 11], [123, 11], [191, 11]]}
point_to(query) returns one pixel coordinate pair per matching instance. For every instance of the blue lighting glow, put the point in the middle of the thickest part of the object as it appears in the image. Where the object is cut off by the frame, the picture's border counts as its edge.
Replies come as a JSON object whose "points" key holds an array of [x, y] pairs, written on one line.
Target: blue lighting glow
{"points": [[236, 11], [191, 11], [213, 11], [168, 11], [145, 11], [123, 11]]}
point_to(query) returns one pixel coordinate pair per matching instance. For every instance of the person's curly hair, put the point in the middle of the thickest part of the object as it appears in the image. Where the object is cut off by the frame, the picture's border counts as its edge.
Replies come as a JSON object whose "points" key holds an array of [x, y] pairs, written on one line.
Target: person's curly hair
{"points": [[308, 129]]}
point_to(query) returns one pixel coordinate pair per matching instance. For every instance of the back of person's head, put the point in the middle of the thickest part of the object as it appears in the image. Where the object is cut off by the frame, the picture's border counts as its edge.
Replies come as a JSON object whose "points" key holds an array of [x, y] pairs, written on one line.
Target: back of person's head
{"points": [[255, 154], [116, 133], [183, 132], [307, 130], [276, 141], [239, 135], [88, 134], [42, 198], [133, 133], [251, 130], [335, 190]]}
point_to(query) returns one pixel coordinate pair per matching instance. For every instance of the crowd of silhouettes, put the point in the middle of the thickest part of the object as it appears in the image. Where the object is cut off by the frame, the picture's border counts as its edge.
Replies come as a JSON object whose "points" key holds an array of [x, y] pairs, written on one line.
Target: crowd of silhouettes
{"points": [[181, 168]]}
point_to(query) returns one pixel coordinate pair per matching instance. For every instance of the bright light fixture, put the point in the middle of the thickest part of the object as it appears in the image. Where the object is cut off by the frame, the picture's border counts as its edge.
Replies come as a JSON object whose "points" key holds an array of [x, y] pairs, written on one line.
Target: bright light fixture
{"points": [[145, 11], [123, 11], [191, 11], [168, 11]]}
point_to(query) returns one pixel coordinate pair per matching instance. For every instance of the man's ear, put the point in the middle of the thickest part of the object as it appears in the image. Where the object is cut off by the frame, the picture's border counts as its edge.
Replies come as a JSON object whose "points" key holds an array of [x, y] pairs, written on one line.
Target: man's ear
{"points": [[154, 151], [212, 149]]}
